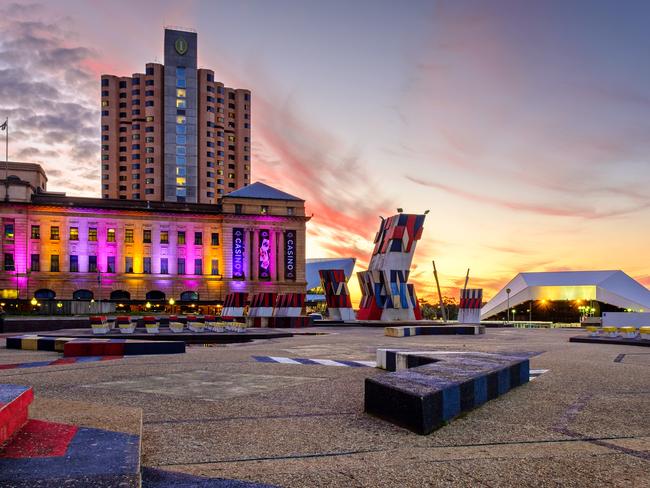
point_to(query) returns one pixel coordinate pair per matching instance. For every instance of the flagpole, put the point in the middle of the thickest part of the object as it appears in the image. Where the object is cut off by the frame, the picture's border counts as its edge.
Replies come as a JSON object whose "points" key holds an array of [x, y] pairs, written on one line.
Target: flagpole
{"points": [[7, 148]]}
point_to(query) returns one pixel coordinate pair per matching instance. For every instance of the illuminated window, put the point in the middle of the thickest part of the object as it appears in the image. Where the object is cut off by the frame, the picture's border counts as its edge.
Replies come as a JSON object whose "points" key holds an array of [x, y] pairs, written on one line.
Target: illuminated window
{"points": [[215, 239], [180, 119], [180, 171], [54, 263], [54, 233], [181, 237], [36, 231], [74, 264], [231, 175], [74, 233], [110, 235], [128, 236], [104, 103], [146, 236], [35, 264], [231, 138], [264, 209], [9, 262], [180, 181], [181, 93], [149, 118], [181, 103], [92, 234], [164, 266], [9, 231], [146, 265], [164, 237]]}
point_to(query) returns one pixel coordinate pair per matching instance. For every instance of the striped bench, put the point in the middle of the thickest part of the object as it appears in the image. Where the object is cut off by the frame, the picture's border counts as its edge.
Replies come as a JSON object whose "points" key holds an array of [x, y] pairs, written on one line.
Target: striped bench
{"points": [[417, 330], [95, 346], [425, 390]]}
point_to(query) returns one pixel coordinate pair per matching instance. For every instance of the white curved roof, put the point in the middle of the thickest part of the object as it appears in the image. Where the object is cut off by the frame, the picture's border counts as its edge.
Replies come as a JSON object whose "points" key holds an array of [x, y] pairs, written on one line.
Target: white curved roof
{"points": [[315, 264], [612, 287]]}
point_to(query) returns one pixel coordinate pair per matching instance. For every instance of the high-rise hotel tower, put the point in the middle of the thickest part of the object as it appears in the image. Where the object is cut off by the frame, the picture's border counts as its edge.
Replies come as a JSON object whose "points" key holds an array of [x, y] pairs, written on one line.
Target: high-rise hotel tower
{"points": [[173, 133]]}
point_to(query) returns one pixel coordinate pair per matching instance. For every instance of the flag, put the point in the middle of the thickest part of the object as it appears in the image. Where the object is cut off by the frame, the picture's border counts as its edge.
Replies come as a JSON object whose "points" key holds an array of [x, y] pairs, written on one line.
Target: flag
{"points": [[4, 126]]}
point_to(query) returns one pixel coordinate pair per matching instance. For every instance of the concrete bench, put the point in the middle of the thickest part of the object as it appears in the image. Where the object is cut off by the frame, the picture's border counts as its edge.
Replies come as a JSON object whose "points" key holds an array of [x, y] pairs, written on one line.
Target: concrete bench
{"points": [[411, 331], [428, 389]]}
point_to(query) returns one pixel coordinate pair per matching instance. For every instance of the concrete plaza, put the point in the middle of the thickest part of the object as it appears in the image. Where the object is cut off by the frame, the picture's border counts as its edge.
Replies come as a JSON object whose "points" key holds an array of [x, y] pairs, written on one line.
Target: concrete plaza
{"points": [[218, 412]]}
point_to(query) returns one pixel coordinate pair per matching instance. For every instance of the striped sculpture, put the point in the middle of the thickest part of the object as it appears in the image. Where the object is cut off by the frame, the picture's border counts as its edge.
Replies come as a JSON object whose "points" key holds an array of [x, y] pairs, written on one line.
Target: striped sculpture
{"points": [[261, 305], [233, 305], [386, 293], [337, 294], [289, 305], [469, 309]]}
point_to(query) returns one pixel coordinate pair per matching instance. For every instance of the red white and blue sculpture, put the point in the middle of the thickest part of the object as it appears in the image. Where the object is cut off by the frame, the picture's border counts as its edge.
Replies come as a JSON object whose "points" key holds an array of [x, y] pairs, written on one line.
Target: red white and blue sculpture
{"points": [[337, 294], [469, 309], [386, 293]]}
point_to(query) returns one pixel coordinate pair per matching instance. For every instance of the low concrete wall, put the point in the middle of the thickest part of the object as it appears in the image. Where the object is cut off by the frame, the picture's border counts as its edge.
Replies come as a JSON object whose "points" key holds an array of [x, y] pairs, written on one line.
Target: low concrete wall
{"points": [[35, 324]]}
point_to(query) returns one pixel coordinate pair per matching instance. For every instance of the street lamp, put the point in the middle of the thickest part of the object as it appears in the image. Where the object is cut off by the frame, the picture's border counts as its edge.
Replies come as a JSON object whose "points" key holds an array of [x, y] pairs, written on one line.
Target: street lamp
{"points": [[147, 305], [34, 302], [508, 290]]}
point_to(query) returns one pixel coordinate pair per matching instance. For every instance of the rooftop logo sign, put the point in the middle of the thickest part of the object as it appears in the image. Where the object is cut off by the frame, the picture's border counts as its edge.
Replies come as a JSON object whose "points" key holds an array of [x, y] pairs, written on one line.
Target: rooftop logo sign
{"points": [[181, 46]]}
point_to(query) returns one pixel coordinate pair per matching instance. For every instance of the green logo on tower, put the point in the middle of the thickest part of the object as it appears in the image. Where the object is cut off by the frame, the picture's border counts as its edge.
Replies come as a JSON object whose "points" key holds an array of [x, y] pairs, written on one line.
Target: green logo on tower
{"points": [[181, 46]]}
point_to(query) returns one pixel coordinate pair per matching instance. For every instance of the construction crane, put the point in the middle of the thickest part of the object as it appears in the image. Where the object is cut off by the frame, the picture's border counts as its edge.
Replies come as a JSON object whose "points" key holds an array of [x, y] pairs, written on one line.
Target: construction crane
{"points": [[442, 304]]}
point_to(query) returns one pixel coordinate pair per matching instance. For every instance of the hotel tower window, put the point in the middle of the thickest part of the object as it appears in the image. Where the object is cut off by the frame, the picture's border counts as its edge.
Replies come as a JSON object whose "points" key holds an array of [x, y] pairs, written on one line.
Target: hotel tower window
{"points": [[181, 237], [146, 236], [164, 237], [54, 233], [128, 236], [74, 233], [9, 232], [110, 235], [36, 231], [215, 239], [92, 234]]}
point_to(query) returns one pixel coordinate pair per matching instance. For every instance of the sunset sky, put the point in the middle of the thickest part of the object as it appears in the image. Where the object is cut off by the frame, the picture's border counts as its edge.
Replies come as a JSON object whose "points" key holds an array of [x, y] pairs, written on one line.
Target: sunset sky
{"points": [[524, 127]]}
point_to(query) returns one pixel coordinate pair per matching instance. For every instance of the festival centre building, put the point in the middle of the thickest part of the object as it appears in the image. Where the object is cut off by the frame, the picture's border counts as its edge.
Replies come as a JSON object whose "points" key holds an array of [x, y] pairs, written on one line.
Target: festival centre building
{"points": [[71, 252]]}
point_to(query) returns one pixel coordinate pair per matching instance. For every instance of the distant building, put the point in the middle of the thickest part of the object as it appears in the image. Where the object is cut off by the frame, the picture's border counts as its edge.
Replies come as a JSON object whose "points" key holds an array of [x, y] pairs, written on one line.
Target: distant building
{"points": [[72, 249], [565, 296], [173, 133]]}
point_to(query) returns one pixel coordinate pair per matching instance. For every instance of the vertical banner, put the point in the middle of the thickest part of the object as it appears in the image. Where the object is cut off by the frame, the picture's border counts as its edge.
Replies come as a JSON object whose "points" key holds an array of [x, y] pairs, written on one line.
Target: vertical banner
{"points": [[264, 262], [238, 253], [290, 255]]}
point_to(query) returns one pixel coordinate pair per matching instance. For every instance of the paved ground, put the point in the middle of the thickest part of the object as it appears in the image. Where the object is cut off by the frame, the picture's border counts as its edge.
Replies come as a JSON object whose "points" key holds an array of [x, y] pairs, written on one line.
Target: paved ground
{"points": [[216, 412]]}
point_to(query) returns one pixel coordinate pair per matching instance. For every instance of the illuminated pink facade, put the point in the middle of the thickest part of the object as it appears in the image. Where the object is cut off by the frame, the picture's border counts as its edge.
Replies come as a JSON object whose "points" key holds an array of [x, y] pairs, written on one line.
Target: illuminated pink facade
{"points": [[103, 249]]}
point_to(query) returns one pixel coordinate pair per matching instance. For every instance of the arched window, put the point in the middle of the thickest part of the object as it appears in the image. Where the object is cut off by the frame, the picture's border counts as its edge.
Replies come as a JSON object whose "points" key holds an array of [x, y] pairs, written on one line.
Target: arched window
{"points": [[45, 294], [85, 295], [155, 295], [189, 296], [120, 295]]}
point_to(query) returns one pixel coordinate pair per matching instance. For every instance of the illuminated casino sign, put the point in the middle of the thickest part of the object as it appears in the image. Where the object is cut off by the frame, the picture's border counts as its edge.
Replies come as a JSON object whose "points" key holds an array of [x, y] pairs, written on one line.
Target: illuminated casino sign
{"points": [[181, 46], [238, 252], [290, 255], [264, 263]]}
